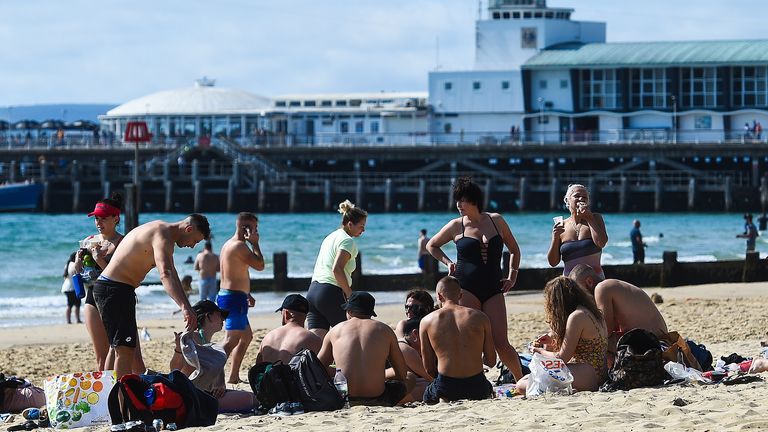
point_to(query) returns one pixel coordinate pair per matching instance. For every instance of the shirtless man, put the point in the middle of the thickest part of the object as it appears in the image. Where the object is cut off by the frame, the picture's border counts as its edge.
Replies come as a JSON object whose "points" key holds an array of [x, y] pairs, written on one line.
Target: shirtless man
{"points": [[422, 245], [235, 295], [410, 346], [149, 245], [624, 305], [360, 347], [207, 264], [283, 342], [455, 342]]}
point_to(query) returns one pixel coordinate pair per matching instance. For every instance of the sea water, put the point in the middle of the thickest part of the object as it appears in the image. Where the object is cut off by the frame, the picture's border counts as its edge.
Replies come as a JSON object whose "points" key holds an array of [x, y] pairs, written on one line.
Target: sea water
{"points": [[34, 249]]}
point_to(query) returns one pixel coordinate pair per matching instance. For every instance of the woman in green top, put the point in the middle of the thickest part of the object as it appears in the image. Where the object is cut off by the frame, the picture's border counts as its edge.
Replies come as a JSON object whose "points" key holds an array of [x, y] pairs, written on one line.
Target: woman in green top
{"points": [[332, 277]]}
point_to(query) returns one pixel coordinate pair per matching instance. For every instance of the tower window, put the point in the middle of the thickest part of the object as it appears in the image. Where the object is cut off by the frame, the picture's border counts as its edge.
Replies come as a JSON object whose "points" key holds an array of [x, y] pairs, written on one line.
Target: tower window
{"points": [[505, 85], [476, 85]]}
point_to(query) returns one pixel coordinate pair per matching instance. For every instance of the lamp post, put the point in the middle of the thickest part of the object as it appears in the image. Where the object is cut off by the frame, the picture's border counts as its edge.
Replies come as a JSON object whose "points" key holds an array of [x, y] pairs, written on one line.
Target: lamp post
{"points": [[674, 119], [541, 120]]}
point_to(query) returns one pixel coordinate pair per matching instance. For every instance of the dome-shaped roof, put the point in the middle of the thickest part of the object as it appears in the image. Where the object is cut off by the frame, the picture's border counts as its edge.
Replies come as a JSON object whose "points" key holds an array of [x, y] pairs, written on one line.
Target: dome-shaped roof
{"points": [[203, 98]]}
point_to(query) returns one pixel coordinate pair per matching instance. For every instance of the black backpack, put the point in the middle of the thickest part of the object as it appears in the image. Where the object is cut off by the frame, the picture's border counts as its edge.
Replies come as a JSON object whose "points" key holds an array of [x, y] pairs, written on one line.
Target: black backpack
{"points": [[273, 383], [638, 362], [316, 388]]}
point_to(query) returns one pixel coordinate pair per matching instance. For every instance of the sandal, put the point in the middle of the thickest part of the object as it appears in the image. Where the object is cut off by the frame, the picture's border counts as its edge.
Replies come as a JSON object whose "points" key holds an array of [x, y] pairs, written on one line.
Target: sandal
{"points": [[26, 426], [741, 379]]}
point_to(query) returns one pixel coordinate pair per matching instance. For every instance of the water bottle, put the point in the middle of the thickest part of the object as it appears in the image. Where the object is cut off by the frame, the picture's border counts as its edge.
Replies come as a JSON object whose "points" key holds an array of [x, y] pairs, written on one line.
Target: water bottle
{"points": [[340, 381], [149, 395], [89, 268]]}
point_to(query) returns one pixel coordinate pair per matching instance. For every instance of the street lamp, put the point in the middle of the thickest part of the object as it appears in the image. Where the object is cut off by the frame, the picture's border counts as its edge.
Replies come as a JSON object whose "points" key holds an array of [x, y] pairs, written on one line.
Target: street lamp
{"points": [[541, 120], [674, 119]]}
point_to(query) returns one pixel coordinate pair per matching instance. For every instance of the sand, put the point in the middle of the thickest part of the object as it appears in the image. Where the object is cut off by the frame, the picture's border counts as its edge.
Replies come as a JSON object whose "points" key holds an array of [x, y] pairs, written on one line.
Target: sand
{"points": [[727, 318]]}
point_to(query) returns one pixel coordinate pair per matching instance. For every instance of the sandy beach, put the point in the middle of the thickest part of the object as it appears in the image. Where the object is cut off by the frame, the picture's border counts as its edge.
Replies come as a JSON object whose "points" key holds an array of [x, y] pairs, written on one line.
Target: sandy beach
{"points": [[727, 318]]}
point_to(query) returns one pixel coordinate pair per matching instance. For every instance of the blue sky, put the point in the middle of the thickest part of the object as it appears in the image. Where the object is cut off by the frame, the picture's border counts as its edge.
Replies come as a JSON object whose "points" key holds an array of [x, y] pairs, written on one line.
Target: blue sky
{"points": [[87, 51]]}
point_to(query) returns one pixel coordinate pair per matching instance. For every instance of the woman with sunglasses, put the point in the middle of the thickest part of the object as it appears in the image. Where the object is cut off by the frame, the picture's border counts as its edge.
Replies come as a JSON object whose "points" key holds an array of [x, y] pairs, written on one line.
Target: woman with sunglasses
{"points": [[418, 303]]}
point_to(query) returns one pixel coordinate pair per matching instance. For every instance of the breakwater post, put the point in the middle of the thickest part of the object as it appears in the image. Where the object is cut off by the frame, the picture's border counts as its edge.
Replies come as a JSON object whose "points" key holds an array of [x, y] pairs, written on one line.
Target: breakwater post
{"points": [[752, 267], [668, 267], [280, 271], [131, 216]]}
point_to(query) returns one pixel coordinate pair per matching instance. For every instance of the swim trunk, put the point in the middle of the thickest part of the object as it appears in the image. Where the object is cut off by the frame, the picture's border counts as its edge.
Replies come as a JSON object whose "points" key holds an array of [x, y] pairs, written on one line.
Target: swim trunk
{"points": [[443, 387], [208, 289], [236, 303], [116, 303], [325, 302], [421, 260], [394, 392], [72, 299]]}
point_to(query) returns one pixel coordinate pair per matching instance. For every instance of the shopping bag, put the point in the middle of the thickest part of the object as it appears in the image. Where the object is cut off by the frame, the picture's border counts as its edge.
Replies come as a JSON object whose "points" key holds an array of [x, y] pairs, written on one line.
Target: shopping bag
{"points": [[548, 374], [79, 399]]}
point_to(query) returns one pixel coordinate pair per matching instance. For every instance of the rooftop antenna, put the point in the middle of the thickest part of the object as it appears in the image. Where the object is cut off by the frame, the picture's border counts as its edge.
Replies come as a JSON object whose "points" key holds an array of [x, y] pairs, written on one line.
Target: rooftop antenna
{"points": [[437, 53]]}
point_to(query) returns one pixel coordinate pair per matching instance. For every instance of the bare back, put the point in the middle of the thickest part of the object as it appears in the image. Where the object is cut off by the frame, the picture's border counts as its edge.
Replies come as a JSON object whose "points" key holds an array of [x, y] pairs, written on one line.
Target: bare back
{"points": [[457, 337], [234, 266], [626, 306], [207, 263], [136, 255], [283, 342]]}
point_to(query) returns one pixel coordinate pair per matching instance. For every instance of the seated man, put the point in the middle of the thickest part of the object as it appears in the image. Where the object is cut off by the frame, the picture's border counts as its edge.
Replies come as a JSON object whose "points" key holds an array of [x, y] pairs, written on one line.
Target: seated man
{"points": [[455, 342], [361, 347], [624, 306], [410, 344], [283, 342]]}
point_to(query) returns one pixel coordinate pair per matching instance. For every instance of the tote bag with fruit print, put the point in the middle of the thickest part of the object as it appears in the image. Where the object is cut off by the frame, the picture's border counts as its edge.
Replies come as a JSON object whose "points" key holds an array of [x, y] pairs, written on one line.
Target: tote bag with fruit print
{"points": [[79, 399]]}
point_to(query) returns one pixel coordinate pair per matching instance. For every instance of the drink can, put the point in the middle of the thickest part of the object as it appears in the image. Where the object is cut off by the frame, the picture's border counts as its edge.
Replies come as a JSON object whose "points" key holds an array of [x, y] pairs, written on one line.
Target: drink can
{"points": [[157, 424], [118, 427], [171, 426]]}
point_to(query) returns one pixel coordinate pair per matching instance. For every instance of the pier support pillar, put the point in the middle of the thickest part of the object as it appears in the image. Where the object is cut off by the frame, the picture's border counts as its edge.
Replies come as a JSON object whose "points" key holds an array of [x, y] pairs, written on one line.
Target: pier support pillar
{"points": [[623, 192], [668, 266], [12, 172], [198, 195], [431, 273], [763, 193], [131, 217], [593, 192], [755, 172], [327, 194], [292, 196], [46, 196], [387, 195], [231, 187], [75, 196], [487, 188], [752, 267], [107, 186], [168, 196], [280, 271], [728, 193], [167, 170], [554, 202], [692, 194], [658, 193], [421, 195], [195, 171], [102, 172], [523, 193], [359, 193], [262, 195], [451, 202], [357, 273], [236, 172], [43, 172]]}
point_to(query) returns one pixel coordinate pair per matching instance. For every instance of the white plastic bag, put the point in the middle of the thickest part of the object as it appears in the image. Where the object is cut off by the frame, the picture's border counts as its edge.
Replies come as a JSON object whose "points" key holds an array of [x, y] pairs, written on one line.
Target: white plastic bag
{"points": [[79, 399], [548, 374]]}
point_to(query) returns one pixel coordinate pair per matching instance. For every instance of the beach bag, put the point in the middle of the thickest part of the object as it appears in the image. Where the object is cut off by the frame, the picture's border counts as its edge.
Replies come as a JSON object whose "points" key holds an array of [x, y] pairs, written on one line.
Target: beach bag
{"points": [[548, 375], [316, 389], [702, 355], [172, 398], [78, 399], [505, 375], [638, 362], [273, 383], [676, 349], [24, 394]]}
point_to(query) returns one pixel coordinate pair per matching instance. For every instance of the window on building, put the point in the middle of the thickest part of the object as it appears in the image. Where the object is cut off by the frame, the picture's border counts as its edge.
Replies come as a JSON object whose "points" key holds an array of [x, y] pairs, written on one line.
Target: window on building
{"points": [[294, 103], [543, 84], [359, 127], [448, 86], [700, 87], [563, 84], [599, 89], [279, 103], [505, 85], [341, 103], [374, 127], [355, 102], [649, 88], [344, 127], [309, 103], [749, 86], [326, 103], [505, 15], [476, 85]]}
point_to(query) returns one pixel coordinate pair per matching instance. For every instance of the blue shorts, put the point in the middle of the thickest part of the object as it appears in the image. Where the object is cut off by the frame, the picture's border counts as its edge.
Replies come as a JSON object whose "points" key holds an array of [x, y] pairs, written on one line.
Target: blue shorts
{"points": [[236, 303], [421, 261], [208, 288]]}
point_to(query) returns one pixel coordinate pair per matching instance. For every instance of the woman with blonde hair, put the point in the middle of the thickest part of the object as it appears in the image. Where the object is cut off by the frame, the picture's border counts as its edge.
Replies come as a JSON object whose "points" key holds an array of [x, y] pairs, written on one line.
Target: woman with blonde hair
{"points": [[579, 336], [581, 237], [332, 276]]}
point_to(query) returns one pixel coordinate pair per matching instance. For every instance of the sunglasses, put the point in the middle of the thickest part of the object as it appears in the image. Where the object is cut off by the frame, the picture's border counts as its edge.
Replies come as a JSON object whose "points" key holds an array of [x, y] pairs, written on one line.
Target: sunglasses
{"points": [[415, 308]]}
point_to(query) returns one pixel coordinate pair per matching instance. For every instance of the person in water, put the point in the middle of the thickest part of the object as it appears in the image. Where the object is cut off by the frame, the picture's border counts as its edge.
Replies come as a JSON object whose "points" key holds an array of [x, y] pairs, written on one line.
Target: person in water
{"points": [[480, 238], [581, 237]]}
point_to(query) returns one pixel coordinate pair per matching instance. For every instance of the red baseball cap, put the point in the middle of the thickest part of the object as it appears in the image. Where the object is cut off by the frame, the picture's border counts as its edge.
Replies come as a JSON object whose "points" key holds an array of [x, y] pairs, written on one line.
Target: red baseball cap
{"points": [[104, 210]]}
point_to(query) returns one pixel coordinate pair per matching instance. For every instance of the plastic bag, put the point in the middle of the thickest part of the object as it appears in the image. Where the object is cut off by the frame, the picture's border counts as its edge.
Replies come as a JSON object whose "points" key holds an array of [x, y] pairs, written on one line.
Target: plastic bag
{"points": [[548, 374], [680, 371], [79, 399]]}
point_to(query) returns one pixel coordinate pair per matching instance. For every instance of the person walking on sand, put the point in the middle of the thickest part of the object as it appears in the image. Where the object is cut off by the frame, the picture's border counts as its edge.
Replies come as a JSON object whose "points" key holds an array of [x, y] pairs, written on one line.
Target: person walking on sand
{"points": [[638, 246], [235, 294], [146, 247], [207, 264], [67, 287], [291, 337], [422, 245], [750, 232], [455, 343], [332, 277], [480, 238]]}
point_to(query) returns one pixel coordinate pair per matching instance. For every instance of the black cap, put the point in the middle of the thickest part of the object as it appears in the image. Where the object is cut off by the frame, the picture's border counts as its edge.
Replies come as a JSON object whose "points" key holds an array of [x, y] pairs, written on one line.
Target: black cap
{"points": [[296, 303], [204, 307], [360, 301]]}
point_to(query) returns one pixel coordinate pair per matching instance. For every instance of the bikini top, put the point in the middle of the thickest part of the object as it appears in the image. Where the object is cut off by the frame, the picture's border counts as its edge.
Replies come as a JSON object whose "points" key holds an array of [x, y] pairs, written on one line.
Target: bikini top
{"points": [[473, 250], [573, 249]]}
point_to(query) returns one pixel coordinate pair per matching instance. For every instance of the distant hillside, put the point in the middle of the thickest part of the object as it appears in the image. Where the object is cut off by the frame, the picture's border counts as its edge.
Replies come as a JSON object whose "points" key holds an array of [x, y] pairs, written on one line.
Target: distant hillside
{"points": [[66, 112]]}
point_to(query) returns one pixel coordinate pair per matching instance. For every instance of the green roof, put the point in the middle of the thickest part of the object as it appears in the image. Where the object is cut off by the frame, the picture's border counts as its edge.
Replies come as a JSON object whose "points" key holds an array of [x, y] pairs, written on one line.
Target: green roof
{"points": [[651, 54]]}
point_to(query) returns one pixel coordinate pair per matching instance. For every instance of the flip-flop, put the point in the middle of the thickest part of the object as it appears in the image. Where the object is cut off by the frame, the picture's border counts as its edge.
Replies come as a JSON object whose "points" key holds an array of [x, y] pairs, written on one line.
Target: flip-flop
{"points": [[741, 379], [26, 426]]}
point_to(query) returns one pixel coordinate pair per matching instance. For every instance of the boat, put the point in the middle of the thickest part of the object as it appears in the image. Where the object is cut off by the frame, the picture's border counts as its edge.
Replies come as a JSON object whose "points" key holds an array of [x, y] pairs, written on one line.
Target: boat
{"points": [[19, 196]]}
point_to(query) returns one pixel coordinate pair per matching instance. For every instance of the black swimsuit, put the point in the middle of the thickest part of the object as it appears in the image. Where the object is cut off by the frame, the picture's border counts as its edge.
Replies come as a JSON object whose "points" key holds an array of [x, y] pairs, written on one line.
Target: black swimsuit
{"points": [[478, 264]]}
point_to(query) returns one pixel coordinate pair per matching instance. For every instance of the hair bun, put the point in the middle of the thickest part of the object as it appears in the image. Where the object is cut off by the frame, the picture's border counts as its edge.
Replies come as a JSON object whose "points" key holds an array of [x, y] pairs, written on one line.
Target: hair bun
{"points": [[346, 206]]}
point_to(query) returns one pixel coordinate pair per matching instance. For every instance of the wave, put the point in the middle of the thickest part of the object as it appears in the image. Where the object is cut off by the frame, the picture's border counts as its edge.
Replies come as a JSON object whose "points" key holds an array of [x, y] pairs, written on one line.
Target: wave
{"points": [[395, 246]]}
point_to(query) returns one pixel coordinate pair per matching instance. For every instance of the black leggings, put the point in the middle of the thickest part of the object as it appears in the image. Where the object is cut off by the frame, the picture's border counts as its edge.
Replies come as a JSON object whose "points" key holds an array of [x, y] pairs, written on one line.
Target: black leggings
{"points": [[325, 302]]}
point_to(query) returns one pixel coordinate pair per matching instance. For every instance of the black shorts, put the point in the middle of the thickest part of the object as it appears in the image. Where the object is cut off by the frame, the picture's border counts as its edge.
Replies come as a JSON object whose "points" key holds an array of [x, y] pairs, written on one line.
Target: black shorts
{"points": [[89, 300], [394, 392], [451, 389], [72, 299], [116, 303], [325, 302]]}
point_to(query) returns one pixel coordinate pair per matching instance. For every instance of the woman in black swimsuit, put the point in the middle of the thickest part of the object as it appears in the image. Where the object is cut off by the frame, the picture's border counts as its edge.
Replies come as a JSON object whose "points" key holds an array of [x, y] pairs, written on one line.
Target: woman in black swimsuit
{"points": [[480, 239]]}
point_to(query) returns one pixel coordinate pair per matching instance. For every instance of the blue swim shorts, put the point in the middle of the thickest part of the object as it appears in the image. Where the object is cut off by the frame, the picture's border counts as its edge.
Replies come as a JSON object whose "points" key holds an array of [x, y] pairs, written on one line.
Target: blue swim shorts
{"points": [[236, 303]]}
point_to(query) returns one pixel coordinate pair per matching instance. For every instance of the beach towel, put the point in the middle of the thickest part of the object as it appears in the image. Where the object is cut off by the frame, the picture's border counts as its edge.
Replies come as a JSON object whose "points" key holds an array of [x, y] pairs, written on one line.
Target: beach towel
{"points": [[78, 399]]}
